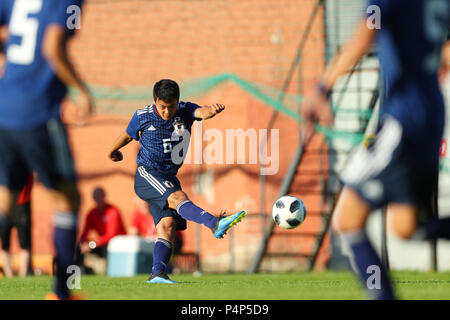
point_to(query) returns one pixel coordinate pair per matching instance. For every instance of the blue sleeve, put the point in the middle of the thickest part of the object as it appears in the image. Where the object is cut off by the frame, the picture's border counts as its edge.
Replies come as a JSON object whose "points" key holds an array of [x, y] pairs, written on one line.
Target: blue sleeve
{"points": [[190, 110], [134, 127], [66, 13]]}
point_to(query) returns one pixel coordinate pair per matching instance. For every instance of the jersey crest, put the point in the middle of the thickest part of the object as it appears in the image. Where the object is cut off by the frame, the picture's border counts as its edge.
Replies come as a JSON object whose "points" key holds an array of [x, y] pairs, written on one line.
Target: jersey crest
{"points": [[179, 126]]}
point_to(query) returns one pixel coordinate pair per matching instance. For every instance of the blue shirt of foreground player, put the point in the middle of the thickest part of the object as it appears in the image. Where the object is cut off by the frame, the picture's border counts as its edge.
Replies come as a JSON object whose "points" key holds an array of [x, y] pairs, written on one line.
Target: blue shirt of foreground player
{"points": [[409, 45], [158, 137], [30, 92]]}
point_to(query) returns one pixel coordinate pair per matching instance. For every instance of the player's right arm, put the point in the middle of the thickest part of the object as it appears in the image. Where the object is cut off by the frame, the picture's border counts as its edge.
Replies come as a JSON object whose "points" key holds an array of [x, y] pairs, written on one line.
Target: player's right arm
{"points": [[54, 49], [132, 132], [114, 153]]}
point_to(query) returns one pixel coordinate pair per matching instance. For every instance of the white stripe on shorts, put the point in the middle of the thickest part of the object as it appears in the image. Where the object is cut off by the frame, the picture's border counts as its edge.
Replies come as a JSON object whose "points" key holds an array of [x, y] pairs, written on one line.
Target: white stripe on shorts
{"points": [[150, 179], [366, 164], [155, 180]]}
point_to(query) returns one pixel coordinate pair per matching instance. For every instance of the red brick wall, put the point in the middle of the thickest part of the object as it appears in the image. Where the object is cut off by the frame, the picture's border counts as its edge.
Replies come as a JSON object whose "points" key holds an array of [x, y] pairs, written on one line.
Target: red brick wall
{"points": [[135, 43]]}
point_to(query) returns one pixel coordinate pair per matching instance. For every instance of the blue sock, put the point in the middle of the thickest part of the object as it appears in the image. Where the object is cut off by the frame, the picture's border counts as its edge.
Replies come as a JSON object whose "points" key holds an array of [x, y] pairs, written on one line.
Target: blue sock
{"points": [[191, 212], [161, 256], [434, 229], [64, 238], [368, 266]]}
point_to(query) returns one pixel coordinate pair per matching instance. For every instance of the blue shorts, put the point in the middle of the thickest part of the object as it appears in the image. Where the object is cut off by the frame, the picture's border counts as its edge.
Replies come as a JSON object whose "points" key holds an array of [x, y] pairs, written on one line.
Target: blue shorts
{"points": [[44, 150], [155, 187], [394, 169]]}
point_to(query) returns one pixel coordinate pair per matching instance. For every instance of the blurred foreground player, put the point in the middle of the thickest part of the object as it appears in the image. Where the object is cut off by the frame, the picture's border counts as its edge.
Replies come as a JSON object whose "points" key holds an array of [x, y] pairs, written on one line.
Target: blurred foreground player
{"points": [[163, 131], [32, 136], [400, 168]]}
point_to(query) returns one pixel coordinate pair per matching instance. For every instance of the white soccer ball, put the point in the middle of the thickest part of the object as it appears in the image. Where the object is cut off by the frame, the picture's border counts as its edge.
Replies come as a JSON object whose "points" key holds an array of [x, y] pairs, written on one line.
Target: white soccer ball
{"points": [[289, 212]]}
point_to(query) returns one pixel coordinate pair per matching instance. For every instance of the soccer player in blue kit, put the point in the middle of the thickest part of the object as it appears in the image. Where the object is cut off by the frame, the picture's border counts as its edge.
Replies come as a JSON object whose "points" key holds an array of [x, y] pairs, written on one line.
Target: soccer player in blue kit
{"points": [[400, 168], [32, 137], [161, 129]]}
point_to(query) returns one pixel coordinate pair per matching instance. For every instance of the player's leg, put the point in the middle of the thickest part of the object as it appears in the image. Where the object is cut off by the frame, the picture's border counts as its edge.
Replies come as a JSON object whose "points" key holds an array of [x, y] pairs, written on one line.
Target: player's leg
{"points": [[403, 219], [152, 184], [351, 214], [151, 190], [6, 204], [65, 220], [431, 226], [164, 245], [5, 256], [165, 221], [13, 172], [46, 150], [180, 202], [23, 224], [189, 211], [434, 229], [375, 175]]}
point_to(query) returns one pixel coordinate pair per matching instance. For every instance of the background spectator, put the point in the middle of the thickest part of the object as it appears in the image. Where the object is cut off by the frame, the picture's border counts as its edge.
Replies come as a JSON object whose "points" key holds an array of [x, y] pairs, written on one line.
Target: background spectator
{"points": [[105, 220]]}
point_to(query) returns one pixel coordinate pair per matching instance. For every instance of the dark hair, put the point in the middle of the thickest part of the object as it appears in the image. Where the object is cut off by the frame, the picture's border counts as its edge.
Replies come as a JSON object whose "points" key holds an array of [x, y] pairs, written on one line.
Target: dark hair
{"points": [[166, 90]]}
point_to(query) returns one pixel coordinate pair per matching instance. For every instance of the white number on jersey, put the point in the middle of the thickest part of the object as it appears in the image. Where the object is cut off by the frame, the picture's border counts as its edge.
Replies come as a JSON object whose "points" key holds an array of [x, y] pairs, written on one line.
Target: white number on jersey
{"points": [[167, 145], [22, 25]]}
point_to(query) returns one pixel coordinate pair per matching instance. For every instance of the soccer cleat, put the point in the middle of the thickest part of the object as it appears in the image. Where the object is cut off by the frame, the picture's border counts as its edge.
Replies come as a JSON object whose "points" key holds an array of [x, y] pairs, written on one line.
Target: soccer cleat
{"points": [[160, 278], [226, 223]]}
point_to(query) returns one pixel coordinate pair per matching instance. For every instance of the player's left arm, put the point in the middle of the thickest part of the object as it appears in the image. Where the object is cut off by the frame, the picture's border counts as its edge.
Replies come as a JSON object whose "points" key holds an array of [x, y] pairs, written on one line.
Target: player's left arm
{"points": [[207, 112], [351, 53]]}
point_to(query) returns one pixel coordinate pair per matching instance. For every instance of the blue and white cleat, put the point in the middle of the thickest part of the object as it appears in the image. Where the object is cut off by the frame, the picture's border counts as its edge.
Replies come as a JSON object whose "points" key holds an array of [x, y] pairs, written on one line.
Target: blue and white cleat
{"points": [[160, 278], [226, 223]]}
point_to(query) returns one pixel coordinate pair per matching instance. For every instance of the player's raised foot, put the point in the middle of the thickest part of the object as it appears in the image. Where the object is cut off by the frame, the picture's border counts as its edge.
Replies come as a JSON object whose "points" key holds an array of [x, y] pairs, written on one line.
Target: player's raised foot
{"points": [[226, 223], [54, 296], [160, 278]]}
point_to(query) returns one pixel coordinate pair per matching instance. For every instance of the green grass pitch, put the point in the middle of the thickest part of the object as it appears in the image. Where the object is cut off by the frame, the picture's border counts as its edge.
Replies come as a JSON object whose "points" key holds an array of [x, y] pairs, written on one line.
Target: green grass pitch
{"points": [[288, 286]]}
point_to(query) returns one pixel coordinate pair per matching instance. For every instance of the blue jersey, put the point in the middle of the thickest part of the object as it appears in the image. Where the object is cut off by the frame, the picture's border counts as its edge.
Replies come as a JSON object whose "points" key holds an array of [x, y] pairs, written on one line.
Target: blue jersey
{"points": [[409, 47], [163, 143], [30, 92]]}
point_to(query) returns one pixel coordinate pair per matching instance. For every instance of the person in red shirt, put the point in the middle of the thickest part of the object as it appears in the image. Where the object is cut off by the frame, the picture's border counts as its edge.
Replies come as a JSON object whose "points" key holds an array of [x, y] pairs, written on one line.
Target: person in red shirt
{"points": [[22, 221], [107, 223], [142, 223]]}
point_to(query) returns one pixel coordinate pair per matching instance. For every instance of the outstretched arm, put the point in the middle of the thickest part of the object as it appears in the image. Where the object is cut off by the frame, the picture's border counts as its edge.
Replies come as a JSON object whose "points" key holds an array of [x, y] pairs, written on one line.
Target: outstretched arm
{"points": [[114, 153], [55, 52], [207, 112]]}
